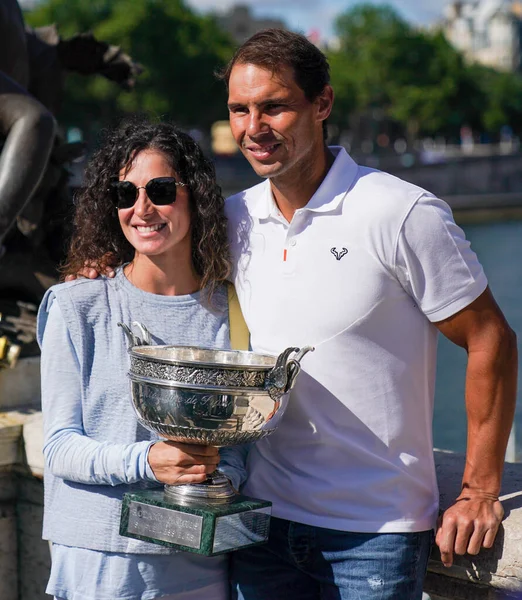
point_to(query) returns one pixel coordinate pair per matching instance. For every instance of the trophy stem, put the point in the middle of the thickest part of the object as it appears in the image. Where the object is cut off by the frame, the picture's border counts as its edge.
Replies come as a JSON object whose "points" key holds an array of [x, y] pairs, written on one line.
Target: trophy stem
{"points": [[216, 489]]}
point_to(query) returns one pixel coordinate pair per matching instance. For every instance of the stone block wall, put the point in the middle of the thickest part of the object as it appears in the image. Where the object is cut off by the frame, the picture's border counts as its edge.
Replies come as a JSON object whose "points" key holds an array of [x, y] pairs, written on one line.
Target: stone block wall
{"points": [[24, 557], [34, 553], [495, 573], [8, 547]]}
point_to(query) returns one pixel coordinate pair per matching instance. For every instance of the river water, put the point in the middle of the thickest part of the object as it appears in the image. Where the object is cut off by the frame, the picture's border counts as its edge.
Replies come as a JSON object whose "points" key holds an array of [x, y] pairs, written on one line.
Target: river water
{"points": [[499, 248]]}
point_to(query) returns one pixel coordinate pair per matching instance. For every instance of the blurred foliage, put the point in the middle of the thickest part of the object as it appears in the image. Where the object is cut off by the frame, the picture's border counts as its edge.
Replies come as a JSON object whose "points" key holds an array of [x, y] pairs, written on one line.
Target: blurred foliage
{"points": [[387, 67], [179, 50], [503, 93], [384, 68]]}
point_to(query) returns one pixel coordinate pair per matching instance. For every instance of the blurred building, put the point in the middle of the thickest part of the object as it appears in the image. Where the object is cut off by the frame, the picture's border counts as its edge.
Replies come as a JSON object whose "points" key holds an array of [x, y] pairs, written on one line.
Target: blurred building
{"points": [[223, 142], [486, 31], [28, 4], [241, 24]]}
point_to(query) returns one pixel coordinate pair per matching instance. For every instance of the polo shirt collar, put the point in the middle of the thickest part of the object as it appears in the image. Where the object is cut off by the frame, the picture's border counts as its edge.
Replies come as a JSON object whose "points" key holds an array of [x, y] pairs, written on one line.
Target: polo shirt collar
{"points": [[336, 184], [328, 196]]}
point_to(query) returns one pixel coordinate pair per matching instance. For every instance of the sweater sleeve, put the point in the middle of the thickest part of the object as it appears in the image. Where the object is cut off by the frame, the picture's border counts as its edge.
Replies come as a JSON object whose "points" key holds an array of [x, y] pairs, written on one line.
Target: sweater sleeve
{"points": [[69, 453]]}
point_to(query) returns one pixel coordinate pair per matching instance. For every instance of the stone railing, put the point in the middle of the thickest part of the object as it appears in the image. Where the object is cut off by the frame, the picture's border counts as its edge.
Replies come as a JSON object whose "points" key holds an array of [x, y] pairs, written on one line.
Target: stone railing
{"points": [[25, 558], [495, 573]]}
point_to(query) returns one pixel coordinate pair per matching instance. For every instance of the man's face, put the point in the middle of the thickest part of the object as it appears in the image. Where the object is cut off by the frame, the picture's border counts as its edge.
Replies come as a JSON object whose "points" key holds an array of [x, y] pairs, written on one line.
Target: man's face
{"points": [[273, 123]]}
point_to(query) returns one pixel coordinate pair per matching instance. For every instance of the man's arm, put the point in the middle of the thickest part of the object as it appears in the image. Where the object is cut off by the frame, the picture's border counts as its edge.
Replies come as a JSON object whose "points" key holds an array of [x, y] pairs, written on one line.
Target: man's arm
{"points": [[491, 382], [233, 463]]}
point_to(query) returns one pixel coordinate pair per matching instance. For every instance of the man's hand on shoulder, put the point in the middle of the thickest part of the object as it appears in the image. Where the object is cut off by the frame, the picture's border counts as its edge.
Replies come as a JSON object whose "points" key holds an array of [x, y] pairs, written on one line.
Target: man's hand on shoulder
{"points": [[90, 273], [93, 270], [470, 524]]}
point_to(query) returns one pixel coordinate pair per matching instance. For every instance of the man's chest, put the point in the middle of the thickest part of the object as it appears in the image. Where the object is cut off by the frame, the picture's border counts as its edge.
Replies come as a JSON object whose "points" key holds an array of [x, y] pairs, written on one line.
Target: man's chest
{"points": [[302, 284]]}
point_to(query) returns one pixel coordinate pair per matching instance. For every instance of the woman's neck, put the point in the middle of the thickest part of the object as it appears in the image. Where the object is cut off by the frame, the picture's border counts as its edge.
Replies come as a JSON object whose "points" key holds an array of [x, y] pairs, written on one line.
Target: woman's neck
{"points": [[164, 276]]}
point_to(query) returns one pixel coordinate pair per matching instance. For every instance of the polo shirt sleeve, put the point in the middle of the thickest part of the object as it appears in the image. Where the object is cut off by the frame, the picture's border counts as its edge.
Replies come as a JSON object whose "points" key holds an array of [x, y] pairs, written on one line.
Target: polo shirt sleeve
{"points": [[435, 263]]}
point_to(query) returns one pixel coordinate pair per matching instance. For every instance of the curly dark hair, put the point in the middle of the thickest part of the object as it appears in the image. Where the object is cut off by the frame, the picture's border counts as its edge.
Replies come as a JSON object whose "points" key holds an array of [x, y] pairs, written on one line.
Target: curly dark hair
{"points": [[97, 236]]}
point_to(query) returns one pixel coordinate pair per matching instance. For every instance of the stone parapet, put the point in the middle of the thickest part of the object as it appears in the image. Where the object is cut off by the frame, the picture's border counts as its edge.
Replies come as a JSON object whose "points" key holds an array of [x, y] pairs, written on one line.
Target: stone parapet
{"points": [[8, 548], [24, 557], [35, 555], [20, 387], [494, 573]]}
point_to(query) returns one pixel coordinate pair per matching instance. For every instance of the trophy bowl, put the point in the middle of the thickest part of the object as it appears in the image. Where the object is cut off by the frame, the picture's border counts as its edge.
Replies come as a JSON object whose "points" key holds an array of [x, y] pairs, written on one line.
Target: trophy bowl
{"points": [[212, 397]]}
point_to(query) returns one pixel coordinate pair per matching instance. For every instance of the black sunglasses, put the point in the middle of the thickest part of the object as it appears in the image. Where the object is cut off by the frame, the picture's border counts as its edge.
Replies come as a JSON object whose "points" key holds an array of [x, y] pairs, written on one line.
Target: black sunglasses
{"points": [[160, 190]]}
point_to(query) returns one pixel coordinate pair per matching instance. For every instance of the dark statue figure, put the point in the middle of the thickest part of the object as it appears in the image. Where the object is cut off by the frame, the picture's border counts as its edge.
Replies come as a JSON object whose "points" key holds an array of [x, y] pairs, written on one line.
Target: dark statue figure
{"points": [[34, 195], [27, 127]]}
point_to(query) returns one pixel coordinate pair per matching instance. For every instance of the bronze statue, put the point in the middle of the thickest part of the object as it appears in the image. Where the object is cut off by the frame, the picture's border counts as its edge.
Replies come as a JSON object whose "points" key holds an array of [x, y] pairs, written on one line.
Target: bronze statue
{"points": [[27, 127], [34, 196]]}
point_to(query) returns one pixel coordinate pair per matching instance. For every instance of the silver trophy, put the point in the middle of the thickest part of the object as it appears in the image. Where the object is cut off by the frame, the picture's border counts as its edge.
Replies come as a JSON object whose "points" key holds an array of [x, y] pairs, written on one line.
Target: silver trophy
{"points": [[211, 397]]}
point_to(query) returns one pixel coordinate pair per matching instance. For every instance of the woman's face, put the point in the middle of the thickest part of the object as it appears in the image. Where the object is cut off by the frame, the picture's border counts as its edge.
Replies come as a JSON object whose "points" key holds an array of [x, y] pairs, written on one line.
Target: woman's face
{"points": [[156, 230]]}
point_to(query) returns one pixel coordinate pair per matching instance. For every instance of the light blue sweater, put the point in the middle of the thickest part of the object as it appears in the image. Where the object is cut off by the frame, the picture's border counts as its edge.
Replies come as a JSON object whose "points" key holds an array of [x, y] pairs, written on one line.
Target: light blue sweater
{"points": [[95, 450]]}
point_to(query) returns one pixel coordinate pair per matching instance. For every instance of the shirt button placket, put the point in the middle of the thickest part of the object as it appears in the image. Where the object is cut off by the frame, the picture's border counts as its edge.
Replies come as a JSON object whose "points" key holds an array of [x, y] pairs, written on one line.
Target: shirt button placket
{"points": [[290, 254]]}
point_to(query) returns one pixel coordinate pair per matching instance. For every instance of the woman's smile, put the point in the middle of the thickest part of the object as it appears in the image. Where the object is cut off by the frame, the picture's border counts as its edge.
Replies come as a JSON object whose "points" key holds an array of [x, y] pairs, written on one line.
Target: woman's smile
{"points": [[149, 228]]}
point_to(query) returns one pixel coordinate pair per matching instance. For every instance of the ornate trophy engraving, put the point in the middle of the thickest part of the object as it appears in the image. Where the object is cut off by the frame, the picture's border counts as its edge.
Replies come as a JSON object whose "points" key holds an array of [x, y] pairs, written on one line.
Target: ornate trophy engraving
{"points": [[211, 397]]}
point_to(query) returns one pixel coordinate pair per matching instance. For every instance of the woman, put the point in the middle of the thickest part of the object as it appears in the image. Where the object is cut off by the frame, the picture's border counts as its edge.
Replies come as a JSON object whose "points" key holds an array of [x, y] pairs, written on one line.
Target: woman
{"points": [[150, 199]]}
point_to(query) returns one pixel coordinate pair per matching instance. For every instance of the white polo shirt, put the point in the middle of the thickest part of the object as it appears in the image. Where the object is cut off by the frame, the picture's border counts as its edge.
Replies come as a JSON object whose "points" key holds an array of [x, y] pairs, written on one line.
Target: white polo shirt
{"points": [[360, 273]]}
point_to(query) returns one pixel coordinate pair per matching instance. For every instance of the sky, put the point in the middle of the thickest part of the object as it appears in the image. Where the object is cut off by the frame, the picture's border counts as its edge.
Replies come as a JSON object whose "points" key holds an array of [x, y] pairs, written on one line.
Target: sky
{"points": [[307, 15]]}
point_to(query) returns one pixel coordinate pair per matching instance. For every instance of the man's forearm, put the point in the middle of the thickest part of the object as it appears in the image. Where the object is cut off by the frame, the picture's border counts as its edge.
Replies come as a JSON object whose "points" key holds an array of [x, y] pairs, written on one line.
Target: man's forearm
{"points": [[472, 521], [491, 383]]}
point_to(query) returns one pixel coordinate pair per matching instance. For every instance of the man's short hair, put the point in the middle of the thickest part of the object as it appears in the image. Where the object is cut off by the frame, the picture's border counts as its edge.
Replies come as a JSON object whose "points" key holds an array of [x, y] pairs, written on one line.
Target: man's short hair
{"points": [[274, 49]]}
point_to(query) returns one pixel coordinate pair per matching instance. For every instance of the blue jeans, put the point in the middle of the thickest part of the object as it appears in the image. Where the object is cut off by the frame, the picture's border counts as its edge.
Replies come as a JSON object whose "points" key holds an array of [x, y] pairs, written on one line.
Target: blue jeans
{"points": [[301, 562]]}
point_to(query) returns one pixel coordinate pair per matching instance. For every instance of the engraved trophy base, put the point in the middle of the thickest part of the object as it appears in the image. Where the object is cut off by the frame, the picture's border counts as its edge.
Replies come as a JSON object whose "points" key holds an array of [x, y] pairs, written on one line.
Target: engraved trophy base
{"points": [[207, 526]]}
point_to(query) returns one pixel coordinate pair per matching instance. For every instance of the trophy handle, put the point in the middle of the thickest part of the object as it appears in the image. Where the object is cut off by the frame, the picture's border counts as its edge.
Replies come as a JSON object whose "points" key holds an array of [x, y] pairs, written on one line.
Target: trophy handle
{"points": [[135, 340], [281, 378], [293, 366]]}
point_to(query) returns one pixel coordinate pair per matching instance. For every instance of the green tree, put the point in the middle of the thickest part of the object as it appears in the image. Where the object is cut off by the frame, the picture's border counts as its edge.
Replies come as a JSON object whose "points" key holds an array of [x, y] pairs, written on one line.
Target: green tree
{"points": [[410, 76], [179, 50], [368, 37], [503, 93], [437, 90]]}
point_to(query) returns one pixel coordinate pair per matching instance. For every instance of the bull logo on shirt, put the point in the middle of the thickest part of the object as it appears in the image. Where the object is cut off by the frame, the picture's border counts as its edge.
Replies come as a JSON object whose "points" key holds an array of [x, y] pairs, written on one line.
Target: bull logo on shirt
{"points": [[338, 255]]}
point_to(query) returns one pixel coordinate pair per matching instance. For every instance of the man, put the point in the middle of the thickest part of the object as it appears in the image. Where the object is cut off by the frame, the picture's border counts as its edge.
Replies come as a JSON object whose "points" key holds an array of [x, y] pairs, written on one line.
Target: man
{"points": [[367, 268]]}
